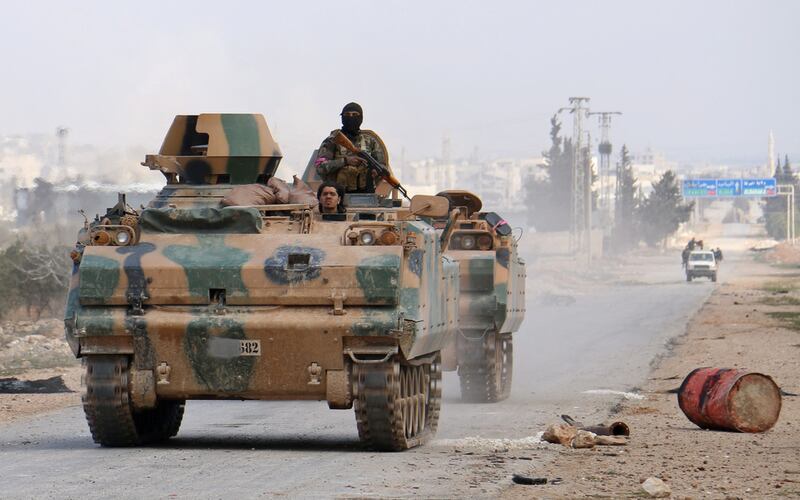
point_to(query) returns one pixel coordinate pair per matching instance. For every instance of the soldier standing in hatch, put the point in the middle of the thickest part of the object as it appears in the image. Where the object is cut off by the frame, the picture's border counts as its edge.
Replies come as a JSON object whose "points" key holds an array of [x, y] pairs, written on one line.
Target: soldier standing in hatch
{"points": [[336, 164]]}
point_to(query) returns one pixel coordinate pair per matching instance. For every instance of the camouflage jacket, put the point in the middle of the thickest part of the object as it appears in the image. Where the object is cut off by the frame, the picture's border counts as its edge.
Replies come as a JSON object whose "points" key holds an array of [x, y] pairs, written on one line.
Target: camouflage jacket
{"points": [[331, 166]]}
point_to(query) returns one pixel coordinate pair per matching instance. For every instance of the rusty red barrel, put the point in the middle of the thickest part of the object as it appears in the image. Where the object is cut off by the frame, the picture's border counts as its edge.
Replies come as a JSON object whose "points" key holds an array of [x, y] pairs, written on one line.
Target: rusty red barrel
{"points": [[730, 399]]}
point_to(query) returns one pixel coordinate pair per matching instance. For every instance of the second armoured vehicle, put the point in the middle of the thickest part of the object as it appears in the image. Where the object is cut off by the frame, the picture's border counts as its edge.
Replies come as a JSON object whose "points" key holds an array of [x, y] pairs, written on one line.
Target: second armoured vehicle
{"points": [[491, 299], [186, 299]]}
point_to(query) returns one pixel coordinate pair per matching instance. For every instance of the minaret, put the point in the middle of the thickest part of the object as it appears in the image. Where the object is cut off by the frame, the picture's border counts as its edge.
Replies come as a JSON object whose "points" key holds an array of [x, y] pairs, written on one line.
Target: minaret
{"points": [[771, 155]]}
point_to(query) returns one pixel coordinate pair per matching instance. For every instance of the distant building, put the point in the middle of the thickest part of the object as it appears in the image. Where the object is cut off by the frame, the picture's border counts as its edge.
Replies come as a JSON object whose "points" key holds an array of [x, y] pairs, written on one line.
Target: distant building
{"points": [[649, 166], [499, 183]]}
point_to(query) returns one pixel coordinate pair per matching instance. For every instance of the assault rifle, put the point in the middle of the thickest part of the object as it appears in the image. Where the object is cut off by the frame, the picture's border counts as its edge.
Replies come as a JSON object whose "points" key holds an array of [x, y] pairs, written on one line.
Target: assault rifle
{"points": [[340, 139]]}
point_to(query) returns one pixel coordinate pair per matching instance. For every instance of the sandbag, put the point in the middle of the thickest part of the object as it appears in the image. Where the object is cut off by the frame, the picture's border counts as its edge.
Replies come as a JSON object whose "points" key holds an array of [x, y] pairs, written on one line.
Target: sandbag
{"points": [[280, 189], [302, 193], [249, 194]]}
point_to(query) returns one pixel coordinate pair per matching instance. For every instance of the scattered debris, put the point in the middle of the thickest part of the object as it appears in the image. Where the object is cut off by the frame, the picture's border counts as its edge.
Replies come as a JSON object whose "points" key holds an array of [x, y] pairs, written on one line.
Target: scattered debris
{"points": [[44, 386], [730, 399], [626, 395], [560, 434], [613, 429], [656, 488], [610, 440], [583, 439], [569, 435], [519, 479]]}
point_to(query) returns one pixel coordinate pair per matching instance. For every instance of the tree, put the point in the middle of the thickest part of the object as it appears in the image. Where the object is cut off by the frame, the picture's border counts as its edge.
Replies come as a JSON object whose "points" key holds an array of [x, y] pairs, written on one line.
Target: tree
{"points": [[625, 204], [549, 198], [663, 211], [775, 207], [788, 175]]}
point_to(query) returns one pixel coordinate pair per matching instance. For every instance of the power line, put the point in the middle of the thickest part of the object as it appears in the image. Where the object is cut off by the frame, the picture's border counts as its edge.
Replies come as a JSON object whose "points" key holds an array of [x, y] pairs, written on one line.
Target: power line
{"points": [[580, 233], [604, 148]]}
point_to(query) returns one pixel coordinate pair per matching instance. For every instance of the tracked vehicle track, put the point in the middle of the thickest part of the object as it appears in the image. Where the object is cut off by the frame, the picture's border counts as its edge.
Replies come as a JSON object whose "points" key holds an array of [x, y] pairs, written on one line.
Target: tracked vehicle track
{"points": [[486, 373], [397, 404], [106, 403]]}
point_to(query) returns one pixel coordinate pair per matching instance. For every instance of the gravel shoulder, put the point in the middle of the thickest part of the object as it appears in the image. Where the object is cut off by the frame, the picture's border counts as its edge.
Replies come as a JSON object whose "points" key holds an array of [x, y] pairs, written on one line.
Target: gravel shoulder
{"points": [[15, 407], [751, 321]]}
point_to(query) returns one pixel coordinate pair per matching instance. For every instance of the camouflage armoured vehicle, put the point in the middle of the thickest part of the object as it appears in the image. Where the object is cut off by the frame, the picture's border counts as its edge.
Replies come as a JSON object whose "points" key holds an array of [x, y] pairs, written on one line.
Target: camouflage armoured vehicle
{"points": [[491, 301], [186, 300]]}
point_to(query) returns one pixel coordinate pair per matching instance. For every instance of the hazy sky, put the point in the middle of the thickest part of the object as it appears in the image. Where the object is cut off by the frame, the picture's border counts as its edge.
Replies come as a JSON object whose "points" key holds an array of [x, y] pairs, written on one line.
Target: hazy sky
{"points": [[699, 80]]}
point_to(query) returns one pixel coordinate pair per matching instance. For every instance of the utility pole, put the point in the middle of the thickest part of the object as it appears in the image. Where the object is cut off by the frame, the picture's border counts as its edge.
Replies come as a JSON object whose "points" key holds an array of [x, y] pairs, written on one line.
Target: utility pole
{"points": [[581, 225], [604, 148], [787, 190], [62, 133], [586, 158]]}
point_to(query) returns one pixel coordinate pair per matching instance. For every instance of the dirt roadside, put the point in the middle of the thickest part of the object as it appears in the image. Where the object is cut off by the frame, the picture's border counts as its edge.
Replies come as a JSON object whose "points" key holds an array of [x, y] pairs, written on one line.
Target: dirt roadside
{"points": [[14, 407], [750, 322]]}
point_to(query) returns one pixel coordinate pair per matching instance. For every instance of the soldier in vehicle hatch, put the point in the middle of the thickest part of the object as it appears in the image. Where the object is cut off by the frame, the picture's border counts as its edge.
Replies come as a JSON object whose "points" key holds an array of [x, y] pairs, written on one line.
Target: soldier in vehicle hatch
{"points": [[336, 164], [330, 196]]}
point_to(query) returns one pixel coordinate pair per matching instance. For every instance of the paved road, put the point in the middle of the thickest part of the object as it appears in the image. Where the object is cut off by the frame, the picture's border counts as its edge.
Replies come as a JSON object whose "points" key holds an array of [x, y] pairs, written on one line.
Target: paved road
{"points": [[600, 337]]}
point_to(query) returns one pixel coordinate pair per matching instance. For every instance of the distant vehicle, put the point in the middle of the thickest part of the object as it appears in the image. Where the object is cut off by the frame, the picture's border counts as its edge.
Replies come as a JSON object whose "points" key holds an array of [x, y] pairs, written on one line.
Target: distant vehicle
{"points": [[701, 263]]}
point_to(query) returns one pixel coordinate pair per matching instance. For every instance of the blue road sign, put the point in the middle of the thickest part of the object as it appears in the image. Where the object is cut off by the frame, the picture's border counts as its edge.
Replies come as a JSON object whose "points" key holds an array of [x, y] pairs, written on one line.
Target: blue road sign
{"points": [[719, 188], [699, 188], [729, 187], [759, 187]]}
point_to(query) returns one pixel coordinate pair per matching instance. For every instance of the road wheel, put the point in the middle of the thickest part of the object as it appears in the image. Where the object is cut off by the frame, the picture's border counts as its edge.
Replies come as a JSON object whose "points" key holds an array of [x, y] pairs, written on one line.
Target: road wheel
{"points": [[160, 423], [111, 418], [714, 277], [485, 368], [688, 277], [397, 404], [506, 361]]}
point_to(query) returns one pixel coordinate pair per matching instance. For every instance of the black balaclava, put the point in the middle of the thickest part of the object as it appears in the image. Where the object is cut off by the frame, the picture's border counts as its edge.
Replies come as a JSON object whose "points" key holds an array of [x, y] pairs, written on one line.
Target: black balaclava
{"points": [[351, 125]]}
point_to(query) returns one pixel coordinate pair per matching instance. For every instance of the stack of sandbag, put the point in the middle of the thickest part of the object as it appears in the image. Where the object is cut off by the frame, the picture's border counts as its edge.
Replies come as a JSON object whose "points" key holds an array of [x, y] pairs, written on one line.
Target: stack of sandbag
{"points": [[275, 191], [302, 193]]}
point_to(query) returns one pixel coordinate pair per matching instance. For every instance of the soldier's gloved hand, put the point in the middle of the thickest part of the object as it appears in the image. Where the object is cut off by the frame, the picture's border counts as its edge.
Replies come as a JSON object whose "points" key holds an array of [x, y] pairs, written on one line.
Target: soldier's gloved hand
{"points": [[355, 161]]}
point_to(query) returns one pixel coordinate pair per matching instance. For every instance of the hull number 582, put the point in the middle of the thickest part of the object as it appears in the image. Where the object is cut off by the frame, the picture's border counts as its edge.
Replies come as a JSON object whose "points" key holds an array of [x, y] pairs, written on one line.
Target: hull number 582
{"points": [[250, 348]]}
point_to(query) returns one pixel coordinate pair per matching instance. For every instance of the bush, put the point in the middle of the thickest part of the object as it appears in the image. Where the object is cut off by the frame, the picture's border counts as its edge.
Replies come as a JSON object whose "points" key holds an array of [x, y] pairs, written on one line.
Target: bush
{"points": [[33, 278]]}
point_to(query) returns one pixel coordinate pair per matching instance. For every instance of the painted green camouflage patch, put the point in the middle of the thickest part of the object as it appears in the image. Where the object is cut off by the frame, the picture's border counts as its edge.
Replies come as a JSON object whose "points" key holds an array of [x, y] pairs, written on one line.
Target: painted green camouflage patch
{"points": [[379, 278], [210, 264], [218, 368]]}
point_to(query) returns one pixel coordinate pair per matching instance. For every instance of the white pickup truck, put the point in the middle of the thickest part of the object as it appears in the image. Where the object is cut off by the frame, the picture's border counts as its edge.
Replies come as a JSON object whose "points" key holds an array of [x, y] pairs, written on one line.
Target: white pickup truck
{"points": [[701, 263]]}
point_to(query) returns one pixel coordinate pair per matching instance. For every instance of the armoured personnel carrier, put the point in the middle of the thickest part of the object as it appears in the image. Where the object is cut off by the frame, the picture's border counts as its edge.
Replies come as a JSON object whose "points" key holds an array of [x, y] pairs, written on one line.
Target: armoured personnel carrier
{"points": [[186, 300], [491, 300]]}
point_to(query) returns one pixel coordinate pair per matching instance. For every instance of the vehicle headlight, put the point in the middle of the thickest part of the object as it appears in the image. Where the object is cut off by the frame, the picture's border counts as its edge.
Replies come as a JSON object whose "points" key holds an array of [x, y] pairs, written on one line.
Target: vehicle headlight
{"points": [[101, 238], [388, 237], [468, 242], [367, 238], [122, 238], [485, 242]]}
